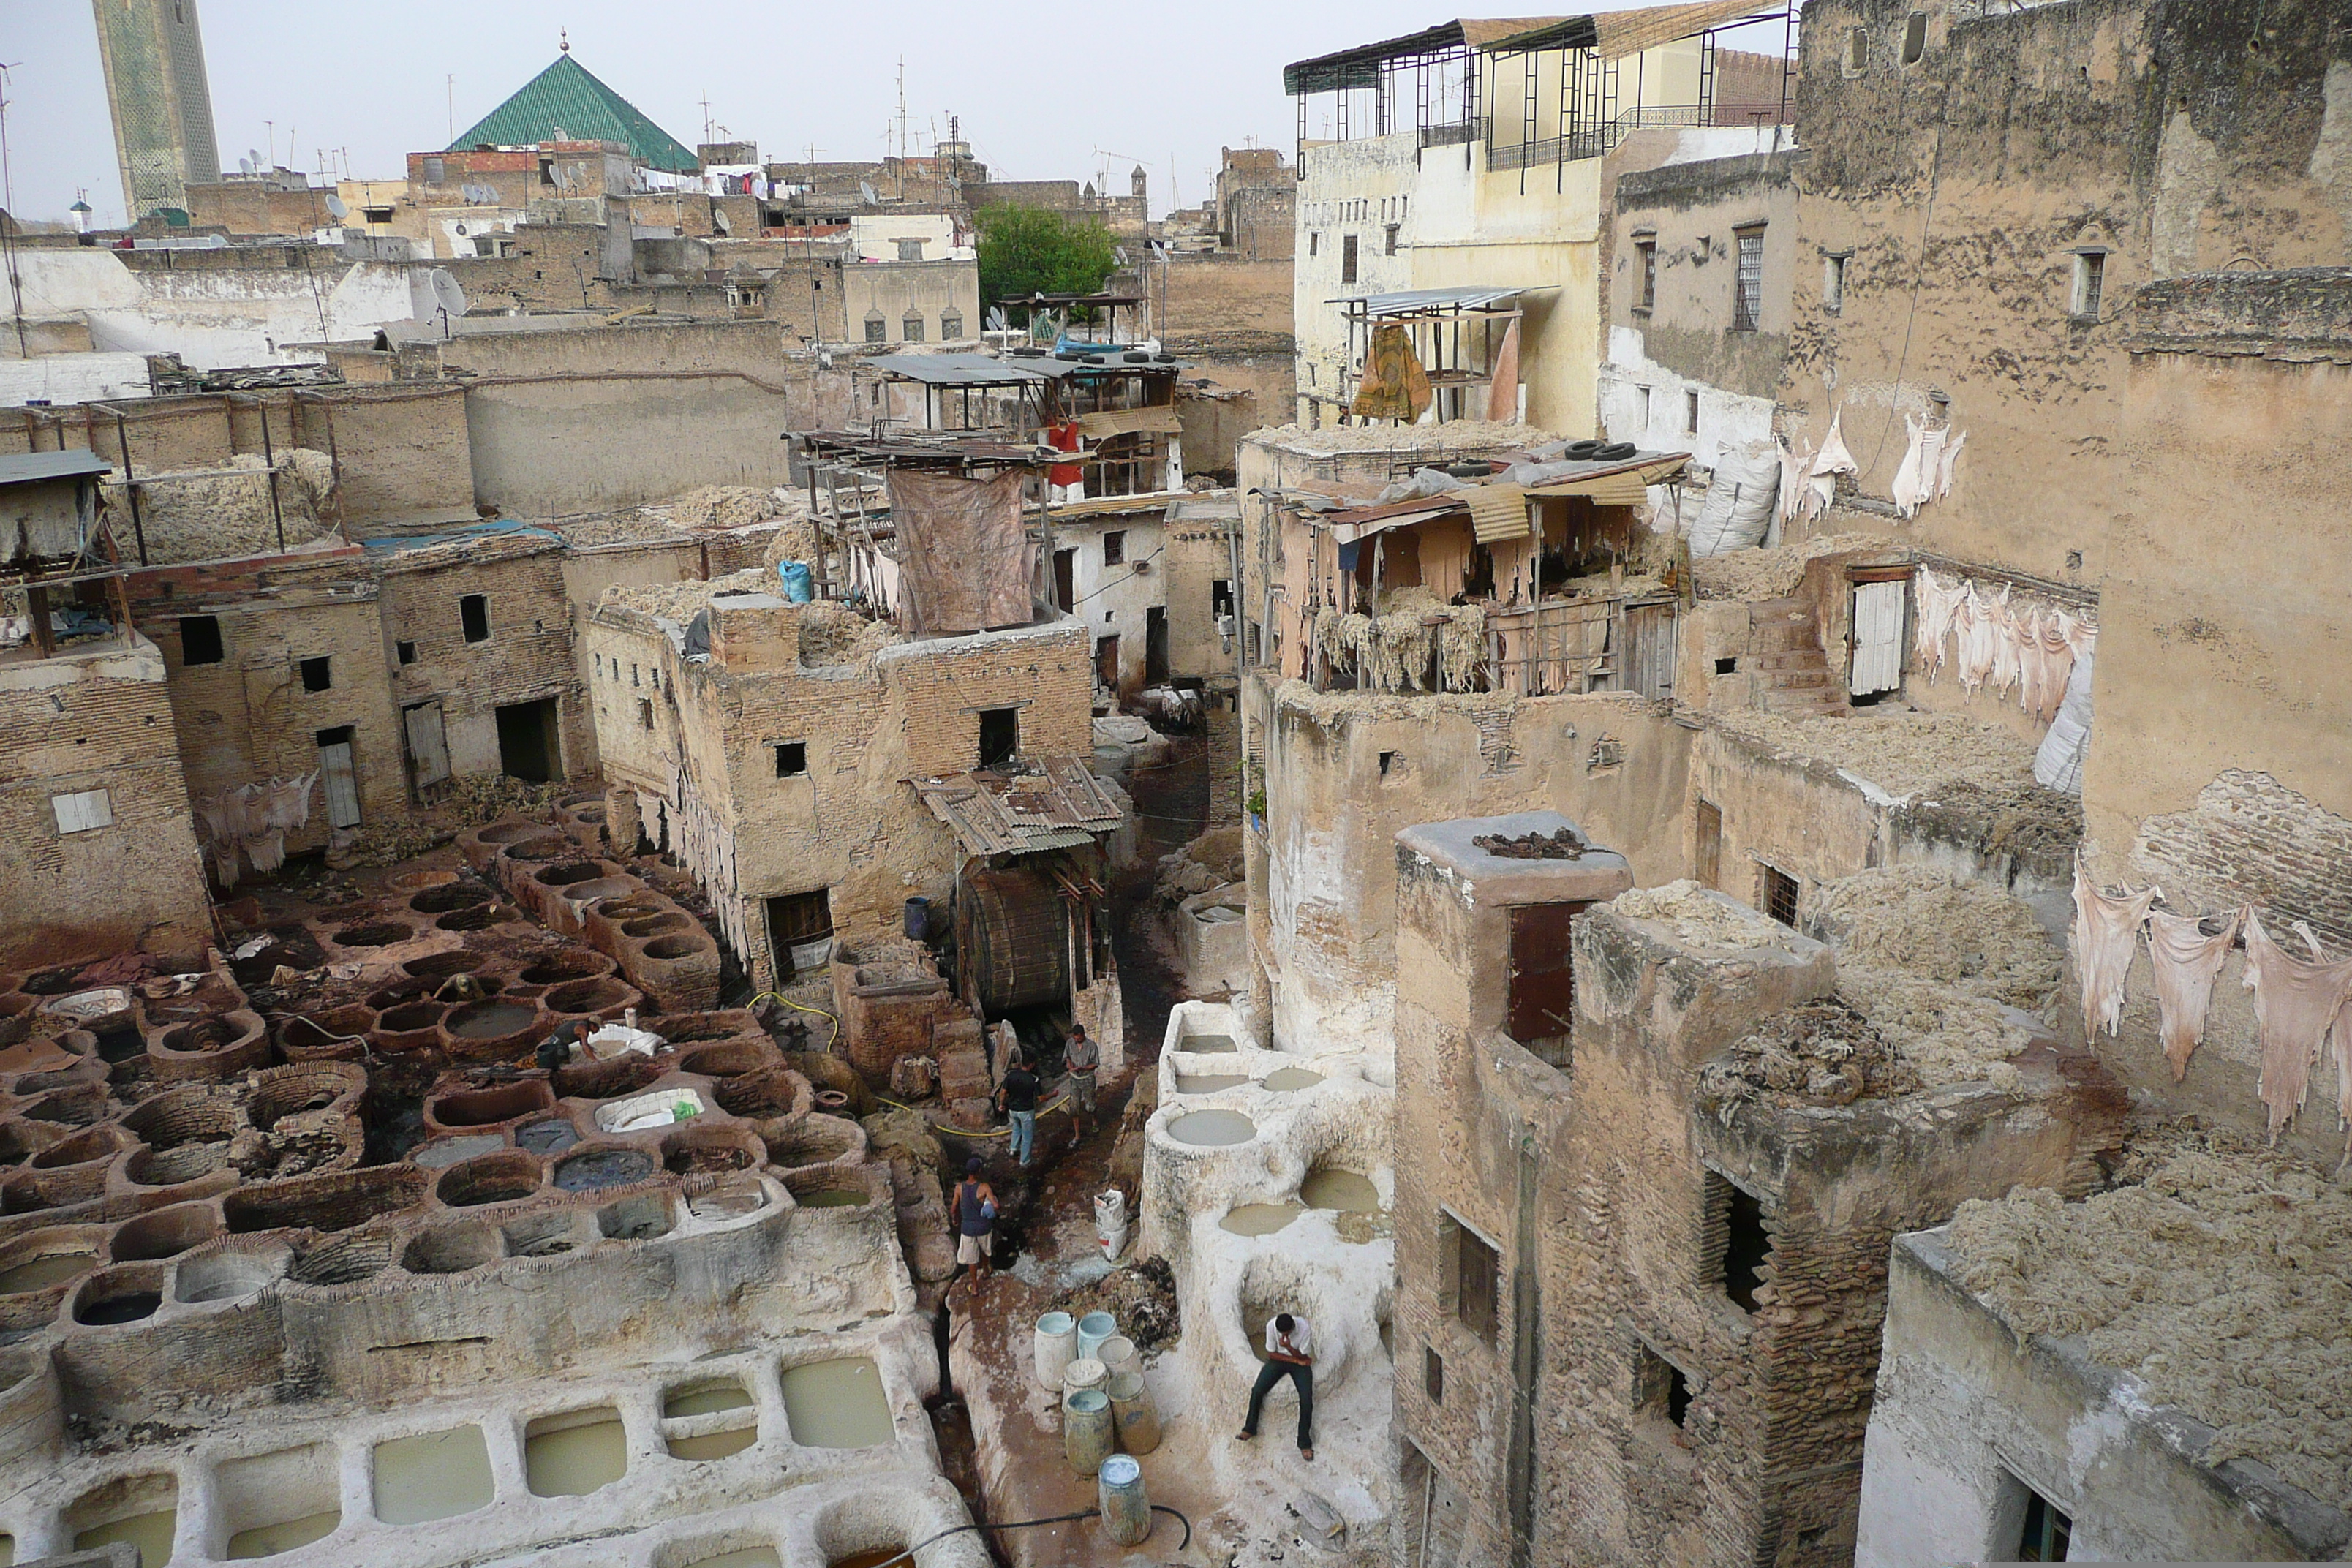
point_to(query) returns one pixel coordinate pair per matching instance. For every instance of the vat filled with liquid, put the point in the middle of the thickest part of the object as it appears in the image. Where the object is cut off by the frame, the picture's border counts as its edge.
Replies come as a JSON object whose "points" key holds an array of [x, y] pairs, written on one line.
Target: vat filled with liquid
{"points": [[1213, 1129], [437, 1475], [149, 1532], [1344, 1191], [48, 1268], [1211, 1044], [710, 1400], [1209, 1082], [269, 1539], [1260, 1219], [837, 1405], [576, 1453], [1289, 1080]]}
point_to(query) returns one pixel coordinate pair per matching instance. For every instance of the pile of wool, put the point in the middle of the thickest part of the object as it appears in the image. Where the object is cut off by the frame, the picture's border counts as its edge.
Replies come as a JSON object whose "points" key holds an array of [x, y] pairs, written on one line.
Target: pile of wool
{"points": [[1698, 918], [1923, 920], [1823, 1053], [1752, 576], [1947, 1036], [2221, 1283], [1903, 753]]}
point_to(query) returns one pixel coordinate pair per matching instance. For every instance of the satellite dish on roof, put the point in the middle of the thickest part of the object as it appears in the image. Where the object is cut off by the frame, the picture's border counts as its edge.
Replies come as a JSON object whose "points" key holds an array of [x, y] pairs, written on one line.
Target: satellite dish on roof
{"points": [[996, 319], [245, 165], [866, 192], [447, 295], [1119, 253], [336, 209], [253, 160]]}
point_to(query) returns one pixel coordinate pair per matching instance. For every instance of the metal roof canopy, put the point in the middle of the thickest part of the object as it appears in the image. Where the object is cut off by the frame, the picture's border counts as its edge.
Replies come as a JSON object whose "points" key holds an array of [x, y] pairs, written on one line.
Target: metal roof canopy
{"points": [[1430, 302], [35, 467], [1071, 299], [959, 370], [1345, 70], [1616, 34], [1053, 802]]}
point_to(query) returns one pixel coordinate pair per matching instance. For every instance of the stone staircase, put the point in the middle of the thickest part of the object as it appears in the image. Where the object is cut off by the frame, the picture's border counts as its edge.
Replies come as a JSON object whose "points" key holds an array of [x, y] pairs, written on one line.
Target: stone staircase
{"points": [[1792, 671]]}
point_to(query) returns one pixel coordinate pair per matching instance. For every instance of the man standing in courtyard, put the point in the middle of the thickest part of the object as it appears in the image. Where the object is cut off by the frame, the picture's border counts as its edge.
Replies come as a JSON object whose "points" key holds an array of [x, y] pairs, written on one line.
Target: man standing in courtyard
{"points": [[1079, 1059], [1289, 1353], [1018, 1095], [975, 1219]]}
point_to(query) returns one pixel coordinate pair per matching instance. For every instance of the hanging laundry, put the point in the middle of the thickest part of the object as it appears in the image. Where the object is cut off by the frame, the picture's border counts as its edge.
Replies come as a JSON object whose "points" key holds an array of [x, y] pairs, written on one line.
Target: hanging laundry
{"points": [[2032, 669], [1793, 464], [2186, 958], [1394, 387], [2005, 672], [2106, 930], [2295, 1005], [2339, 1041], [1831, 461], [1939, 602], [1904, 491], [2058, 661], [1979, 638], [1944, 462]]}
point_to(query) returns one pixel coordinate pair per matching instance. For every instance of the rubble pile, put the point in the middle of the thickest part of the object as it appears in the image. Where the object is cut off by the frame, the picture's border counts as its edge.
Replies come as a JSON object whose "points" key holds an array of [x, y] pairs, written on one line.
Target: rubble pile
{"points": [[1142, 1295]]}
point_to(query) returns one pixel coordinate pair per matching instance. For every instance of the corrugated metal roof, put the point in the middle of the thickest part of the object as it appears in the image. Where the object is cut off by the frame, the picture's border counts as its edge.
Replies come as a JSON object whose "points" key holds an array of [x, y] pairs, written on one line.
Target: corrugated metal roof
{"points": [[1057, 805], [1361, 66], [1615, 34], [565, 97], [961, 370], [1406, 300], [31, 468]]}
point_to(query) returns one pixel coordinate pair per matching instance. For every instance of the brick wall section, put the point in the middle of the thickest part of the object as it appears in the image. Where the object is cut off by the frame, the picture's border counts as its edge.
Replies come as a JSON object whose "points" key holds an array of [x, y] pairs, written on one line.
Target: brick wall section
{"points": [[941, 686], [527, 657], [248, 716], [95, 722]]}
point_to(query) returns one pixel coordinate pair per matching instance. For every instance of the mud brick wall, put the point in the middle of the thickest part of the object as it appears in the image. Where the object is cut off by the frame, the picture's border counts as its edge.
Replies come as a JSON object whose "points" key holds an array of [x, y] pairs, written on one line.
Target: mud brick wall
{"points": [[527, 657], [99, 722], [941, 686]]}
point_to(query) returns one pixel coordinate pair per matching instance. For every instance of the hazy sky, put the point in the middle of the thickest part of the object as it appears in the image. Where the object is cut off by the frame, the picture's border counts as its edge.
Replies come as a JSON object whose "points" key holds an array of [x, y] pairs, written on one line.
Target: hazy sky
{"points": [[1044, 93]]}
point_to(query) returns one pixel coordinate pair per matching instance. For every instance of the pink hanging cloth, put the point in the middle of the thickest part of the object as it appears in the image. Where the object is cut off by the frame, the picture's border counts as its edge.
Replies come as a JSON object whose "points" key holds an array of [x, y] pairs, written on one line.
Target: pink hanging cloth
{"points": [[2295, 1005], [2106, 929], [2185, 960]]}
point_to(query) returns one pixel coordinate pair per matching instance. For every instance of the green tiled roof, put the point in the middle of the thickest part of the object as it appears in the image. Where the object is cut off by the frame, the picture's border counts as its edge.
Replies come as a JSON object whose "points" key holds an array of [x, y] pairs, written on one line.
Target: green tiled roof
{"points": [[565, 96]]}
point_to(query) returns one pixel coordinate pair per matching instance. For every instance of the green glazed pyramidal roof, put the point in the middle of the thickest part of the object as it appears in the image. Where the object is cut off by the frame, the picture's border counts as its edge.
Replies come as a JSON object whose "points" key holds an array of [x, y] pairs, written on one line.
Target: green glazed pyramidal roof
{"points": [[565, 96]]}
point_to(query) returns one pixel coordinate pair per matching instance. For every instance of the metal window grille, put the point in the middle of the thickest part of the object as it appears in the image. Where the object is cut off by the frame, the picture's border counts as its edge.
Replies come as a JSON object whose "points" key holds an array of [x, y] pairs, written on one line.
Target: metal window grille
{"points": [[1747, 308]]}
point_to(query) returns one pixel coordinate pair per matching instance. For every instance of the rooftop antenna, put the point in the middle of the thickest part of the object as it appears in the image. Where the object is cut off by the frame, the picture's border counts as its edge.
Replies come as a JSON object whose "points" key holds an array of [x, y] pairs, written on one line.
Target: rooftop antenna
{"points": [[269, 128], [705, 116], [452, 85], [902, 128], [563, 40], [8, 199]]}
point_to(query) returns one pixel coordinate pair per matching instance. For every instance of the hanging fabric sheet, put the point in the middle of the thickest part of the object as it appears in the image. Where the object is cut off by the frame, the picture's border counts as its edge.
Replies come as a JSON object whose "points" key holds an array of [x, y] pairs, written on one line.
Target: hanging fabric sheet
{"points": [[2106, 929], [2296, 1005], [2186, 960], [1395, 385]]}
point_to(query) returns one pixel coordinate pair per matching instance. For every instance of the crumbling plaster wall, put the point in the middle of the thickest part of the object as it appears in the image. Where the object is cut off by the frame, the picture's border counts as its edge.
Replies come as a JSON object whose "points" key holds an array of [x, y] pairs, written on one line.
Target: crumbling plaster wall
{"points": [[1346, 188], [85, 721], [1961, 1409], [1197, 554], [1116, 599]]}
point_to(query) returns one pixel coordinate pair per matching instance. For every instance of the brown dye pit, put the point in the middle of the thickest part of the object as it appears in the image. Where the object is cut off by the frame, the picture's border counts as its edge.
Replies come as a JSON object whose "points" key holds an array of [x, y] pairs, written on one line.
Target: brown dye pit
{"points": [[381, 933], [666, 947], [489, 1020], [437, 967], [481, 917], [655, 925], [450, 897], [1344, 1191], [208, 1036], [492, 1179], [410, 1015], [550, 1137], [874, 1559], [564, 876], [48, 1268], [586, 996], [482, 1107], [555, 970]]}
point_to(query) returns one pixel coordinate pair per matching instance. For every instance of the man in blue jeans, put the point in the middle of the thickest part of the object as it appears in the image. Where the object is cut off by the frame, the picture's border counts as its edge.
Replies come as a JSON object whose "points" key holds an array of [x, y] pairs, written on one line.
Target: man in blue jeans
{"points": [[1018, 1095], [1289, 1353]]}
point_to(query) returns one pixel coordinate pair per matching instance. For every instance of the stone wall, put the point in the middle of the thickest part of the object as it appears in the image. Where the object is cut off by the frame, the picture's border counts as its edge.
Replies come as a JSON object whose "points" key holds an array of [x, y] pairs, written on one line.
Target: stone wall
{"points": [[526, 658]]}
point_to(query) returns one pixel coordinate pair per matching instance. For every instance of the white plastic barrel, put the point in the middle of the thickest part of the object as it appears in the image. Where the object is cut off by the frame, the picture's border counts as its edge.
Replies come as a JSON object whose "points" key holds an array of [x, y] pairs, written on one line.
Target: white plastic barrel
{"points": [[1126, 1509], [1093, 1328], [1056, 1345]]}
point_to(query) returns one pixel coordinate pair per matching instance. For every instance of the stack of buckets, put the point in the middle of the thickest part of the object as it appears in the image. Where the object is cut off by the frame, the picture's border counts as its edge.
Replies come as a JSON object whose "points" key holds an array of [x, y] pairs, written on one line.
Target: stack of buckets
{"points": [[1100, 1376]]}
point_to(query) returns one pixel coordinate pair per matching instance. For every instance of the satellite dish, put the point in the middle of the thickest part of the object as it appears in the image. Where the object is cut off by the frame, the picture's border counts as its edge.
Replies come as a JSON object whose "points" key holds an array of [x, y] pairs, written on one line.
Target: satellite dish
{"points": [[866, 191], [447, 295], [245, 165], [336, 209], [253, 160], [1119, 253], [996, 319]]}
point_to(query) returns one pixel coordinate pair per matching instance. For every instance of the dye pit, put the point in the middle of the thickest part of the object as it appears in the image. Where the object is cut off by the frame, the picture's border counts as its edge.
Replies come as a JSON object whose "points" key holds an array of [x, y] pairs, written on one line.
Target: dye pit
{"points": [[302, 1256]]}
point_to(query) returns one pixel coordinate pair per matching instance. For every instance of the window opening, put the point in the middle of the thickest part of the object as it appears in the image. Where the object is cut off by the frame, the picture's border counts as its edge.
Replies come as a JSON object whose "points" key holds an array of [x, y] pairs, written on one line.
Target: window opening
{"points": [[1833, 284], [1709, 865], [1221, 596], [1915, 37], [1469, 1273], [2046, 1532], [910, 250], [200, 639], [792, 758], [1690, 412], [1857, 50], [1388, 761], [911, 329], [1389, 241], [950, 327], [1779, 890], [317, 674], [644, 713], [1542, 989], [474, 615], [1660, 1391], [1746, 1245], [1433, 1374], [2090, 283], [1000, 735], [1748, 301], [1348, 259], [1115, 548], [1646, 253], [799, 932], [877, 331], [405, 652]]}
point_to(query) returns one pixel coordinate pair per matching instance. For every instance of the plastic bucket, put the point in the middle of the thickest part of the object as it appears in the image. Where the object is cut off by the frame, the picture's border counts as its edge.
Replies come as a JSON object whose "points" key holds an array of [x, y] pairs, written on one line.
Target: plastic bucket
{"points": [[1056, 1345], [1126, 1509], [1084, 1373], [1093, 1328], [919, 919], [1119, 1354], [1133, 1413], [1086, 1430]]}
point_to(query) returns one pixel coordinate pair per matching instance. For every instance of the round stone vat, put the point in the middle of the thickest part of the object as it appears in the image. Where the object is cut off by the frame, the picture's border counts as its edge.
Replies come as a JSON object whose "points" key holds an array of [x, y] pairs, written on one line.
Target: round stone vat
{"points": [[551, 1136], [410, 1026], [492, 1031], [180, 1116], [1289, 1080], [640, 1217], [452, 1249], [623, 1074], [78, 1106], [112, 1297], [546, 847], [828, 1187], [731, 1058], [375, 933], [681, 946], [292, 1091], [451, 897], [728, 1024], [338, 1034], [435, 967], [572, 871], [175, 1167], [588, 1168], [344, 1259], [769, 1092], [816, 1140], [693, 1151], [577, 964], [327, 1200], [1212, 1128], [92, 1144], [510, 832], [657, 925], [223, 1273], [603, 997], [478, 916], [489, 1106], [164, 1233], [42, 1262], [491, 1179]]}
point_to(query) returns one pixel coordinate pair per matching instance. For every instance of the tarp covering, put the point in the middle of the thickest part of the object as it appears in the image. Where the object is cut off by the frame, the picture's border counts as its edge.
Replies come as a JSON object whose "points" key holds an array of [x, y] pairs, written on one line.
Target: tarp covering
{"points": [[963, 539]]}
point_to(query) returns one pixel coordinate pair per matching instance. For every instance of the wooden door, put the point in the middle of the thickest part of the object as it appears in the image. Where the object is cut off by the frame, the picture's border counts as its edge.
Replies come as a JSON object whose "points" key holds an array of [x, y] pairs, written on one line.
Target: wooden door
{"points": [[342, 779], [428, 747], [1709, 866], [1542, 985], [1877, 639], [1065, 587], [1649, 650]]}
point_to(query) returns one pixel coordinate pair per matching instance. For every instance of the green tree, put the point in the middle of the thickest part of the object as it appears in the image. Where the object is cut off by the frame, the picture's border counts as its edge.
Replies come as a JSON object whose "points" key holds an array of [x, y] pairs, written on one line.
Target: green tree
{"points": [[1027, 251]]}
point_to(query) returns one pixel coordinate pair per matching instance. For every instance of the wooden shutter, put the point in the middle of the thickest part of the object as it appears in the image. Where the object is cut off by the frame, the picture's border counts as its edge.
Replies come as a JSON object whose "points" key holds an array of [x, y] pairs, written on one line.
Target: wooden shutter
{"points": [[1877, 639], [428, 748], [342, 780]]}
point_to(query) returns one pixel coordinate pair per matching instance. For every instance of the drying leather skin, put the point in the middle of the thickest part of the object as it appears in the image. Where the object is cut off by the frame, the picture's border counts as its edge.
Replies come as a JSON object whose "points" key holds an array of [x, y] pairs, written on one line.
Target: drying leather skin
{"points": [[2295, 1004], [2106, 929], [2186, 962]]}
